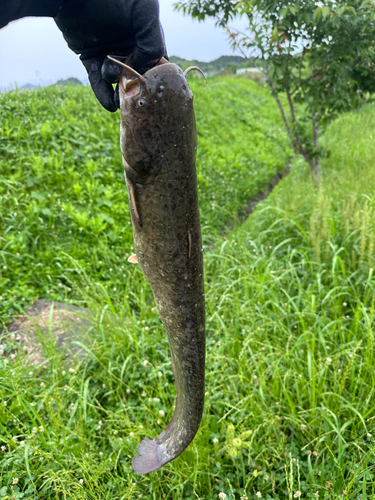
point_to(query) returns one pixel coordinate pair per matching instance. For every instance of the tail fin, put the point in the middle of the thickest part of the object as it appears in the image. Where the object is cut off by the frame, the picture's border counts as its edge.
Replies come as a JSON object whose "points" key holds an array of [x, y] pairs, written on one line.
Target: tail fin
{"points": [[151, 456]]}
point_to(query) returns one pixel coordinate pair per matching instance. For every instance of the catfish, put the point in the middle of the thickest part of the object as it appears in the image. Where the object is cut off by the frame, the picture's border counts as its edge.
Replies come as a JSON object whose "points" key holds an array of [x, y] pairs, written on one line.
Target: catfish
{"points": [[159, 142]]}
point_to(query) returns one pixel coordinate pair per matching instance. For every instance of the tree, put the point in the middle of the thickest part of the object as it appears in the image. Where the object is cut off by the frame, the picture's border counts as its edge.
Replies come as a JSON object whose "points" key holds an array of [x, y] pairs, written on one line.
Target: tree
{"points": [[319, 58]]}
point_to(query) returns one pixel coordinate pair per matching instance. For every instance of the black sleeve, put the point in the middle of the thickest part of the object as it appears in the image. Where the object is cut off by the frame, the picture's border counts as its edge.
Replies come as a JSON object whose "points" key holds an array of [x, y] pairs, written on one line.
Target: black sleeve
{"points": [[10, 10]]}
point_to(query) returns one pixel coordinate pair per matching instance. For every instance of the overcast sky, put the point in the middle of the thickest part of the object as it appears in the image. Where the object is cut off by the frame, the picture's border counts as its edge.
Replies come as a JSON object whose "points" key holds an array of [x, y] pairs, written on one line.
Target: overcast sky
{"points": [[33, 50]]}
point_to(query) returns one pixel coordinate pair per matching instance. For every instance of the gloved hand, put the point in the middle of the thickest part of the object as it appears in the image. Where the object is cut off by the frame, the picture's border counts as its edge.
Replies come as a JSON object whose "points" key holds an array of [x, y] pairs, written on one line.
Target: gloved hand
{"points": [[97, 28]]}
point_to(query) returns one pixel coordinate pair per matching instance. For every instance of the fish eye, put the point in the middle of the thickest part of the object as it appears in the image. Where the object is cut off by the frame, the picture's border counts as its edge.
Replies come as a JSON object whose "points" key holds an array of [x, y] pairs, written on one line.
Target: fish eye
{"points": [[141, 103]]}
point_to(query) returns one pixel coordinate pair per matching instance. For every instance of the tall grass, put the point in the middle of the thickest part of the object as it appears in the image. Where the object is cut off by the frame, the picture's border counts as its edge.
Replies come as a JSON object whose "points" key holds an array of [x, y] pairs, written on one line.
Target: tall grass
{"points": [[62, 190], [290, 391]]}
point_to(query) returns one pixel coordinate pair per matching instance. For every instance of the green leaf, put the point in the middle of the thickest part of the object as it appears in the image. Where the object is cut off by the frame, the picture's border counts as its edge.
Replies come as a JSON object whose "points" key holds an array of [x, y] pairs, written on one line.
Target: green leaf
{"points": [[326, 11], [37, 195], [318, 14], [46, 211], [106, 218]]}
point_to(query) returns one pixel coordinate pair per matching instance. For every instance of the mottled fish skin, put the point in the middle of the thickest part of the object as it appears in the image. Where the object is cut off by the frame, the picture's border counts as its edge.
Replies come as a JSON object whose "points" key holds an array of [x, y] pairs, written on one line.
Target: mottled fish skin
{"points": [[158, 143]]}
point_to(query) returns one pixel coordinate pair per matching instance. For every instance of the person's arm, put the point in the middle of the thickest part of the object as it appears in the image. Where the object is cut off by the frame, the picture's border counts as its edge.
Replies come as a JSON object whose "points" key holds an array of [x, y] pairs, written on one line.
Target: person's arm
{"points": [[97, 28], [10, 10]]}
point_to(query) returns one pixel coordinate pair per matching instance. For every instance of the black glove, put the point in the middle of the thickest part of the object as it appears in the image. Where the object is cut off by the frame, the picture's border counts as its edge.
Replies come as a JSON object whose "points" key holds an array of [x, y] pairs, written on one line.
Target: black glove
{"points": [[97, 28]]}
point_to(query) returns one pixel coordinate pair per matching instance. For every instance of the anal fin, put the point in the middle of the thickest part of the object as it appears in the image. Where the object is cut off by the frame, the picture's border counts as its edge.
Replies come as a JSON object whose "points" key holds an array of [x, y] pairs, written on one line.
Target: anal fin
{"points": [[133, 259]]}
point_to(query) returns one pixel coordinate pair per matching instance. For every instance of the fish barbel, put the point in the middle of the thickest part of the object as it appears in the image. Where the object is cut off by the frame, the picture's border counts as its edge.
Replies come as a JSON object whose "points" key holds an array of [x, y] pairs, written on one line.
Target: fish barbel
{"points": [[158, 144]]}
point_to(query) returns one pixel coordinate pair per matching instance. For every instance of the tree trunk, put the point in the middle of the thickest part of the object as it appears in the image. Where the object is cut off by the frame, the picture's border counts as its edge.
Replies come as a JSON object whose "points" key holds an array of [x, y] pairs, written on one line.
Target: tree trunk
{"points": [[316, 170], [314, 165]]}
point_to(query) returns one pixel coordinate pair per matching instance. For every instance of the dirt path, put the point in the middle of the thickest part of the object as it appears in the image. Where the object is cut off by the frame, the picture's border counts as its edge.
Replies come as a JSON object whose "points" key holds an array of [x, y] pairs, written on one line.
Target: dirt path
{"points": [[45, 319]]}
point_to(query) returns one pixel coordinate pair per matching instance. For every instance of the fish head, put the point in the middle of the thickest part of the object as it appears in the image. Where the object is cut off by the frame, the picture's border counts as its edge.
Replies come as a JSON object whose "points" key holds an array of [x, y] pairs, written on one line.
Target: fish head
{"points": [[156, 116]]}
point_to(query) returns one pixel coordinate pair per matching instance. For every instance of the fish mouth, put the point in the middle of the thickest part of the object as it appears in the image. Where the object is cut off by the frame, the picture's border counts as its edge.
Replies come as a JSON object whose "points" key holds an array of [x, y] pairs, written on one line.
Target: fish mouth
{"points": [[131, 84], [130, 88]]}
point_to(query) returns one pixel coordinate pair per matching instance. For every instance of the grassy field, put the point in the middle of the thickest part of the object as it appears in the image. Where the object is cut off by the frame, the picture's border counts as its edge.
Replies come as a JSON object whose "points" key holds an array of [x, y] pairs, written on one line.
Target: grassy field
{"points": [[62, 190], [290, 390]]}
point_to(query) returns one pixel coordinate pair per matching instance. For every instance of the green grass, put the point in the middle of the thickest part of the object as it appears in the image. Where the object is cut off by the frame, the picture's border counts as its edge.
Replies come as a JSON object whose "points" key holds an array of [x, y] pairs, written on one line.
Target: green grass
{"points": [[62, 191], [290, 392]]}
